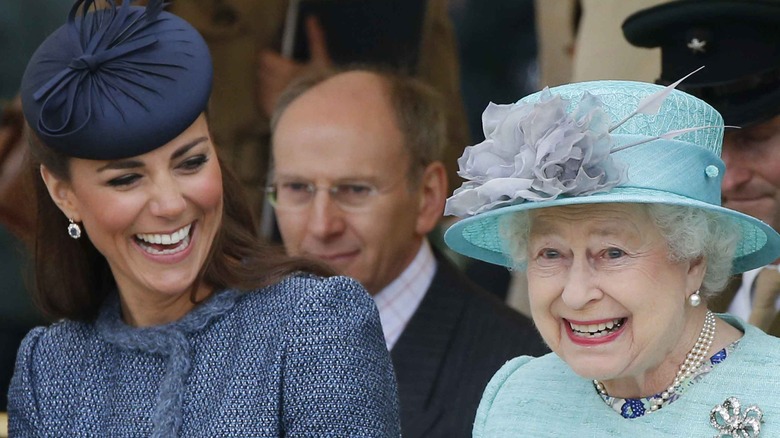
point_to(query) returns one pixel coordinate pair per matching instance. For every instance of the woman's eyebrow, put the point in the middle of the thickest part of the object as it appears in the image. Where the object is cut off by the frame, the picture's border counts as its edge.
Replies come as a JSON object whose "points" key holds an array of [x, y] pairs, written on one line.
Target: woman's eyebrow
{"points": [[121, 164], [186, 147]]}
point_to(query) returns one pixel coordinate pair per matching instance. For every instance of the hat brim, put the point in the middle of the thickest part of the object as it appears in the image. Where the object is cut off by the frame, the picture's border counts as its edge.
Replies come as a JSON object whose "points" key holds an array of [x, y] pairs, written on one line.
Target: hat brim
{"points": [[479, 237]]}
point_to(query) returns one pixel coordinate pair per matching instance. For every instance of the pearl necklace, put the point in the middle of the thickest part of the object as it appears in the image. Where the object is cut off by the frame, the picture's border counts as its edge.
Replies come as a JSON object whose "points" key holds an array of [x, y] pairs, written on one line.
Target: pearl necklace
{"points": [[693, 362]]}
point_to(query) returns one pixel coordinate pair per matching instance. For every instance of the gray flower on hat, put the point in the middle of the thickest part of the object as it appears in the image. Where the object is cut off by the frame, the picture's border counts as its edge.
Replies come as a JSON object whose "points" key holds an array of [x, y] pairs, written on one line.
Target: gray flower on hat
{"points": [[537, 152]]}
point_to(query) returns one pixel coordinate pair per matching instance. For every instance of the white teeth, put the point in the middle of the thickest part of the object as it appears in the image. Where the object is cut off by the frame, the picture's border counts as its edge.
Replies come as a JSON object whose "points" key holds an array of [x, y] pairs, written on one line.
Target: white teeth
{"points": [[595, 330], [166, 239], [181, 238], [184, 244]]}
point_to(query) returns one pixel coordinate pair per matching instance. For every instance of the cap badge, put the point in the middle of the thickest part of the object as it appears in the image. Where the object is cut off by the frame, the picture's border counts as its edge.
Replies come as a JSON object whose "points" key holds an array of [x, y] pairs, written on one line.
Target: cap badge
{"points": [[697, 46]]}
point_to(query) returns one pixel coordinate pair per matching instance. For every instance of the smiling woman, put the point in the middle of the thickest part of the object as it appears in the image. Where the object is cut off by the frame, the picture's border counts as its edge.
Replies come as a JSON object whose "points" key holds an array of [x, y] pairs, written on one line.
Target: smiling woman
{"points": [[168, 307], [608, 195], [152, 217]]}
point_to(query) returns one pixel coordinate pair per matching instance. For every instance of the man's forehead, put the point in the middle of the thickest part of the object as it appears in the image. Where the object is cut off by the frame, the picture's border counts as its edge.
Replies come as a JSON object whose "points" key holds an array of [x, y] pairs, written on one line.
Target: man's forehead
{"points": [[340, 164]]}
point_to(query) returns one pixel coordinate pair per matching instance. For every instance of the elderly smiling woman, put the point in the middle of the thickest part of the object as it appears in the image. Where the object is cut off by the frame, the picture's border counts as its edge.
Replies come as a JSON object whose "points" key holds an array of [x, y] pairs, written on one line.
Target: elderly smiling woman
{"points": [[607, 194]]}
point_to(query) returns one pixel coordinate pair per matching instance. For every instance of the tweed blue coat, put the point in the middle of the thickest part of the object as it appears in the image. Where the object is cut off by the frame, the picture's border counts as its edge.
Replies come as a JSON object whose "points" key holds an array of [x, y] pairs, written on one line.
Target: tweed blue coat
{"points": [[304, 357]]}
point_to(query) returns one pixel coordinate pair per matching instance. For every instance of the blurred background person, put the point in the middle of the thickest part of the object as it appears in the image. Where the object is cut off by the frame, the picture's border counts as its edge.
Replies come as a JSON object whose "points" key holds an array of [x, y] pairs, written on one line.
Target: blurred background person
{"points": [[359, 186], [737, 42]]}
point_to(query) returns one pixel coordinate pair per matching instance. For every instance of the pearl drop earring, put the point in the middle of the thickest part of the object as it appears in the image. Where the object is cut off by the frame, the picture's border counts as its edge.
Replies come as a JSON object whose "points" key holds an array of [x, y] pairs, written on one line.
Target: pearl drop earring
{"points": [[695, 299]]}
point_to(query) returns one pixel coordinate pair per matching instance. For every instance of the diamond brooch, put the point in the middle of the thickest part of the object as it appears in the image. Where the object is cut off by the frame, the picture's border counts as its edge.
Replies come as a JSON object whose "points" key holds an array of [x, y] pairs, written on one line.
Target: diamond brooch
{"points": [[730, 421]]}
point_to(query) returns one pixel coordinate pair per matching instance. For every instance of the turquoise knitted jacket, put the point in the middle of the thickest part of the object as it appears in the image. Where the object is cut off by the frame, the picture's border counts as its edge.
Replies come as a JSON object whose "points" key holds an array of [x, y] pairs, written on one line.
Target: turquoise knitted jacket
{"points": [[544, 398], [305, 357]]}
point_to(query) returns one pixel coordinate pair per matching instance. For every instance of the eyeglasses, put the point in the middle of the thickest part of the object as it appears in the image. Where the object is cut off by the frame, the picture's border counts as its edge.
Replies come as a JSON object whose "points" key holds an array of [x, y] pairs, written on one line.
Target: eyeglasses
{"points": [[296, 195]]}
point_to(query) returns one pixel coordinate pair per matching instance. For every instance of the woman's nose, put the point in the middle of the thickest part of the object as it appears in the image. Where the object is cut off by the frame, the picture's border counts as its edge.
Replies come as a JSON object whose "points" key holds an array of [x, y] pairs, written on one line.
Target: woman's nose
{"points": [[167, 200], [580, 288]]}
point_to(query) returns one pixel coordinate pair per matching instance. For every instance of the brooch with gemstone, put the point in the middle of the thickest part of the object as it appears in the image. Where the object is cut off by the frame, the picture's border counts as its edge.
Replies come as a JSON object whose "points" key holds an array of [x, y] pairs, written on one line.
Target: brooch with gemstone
{"points": [[730, 421]]}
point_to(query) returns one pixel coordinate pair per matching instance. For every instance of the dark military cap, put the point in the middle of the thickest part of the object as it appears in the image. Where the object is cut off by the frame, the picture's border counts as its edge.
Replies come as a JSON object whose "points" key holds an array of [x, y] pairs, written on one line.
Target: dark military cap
{"points": [[738, 42], [116, 81]]}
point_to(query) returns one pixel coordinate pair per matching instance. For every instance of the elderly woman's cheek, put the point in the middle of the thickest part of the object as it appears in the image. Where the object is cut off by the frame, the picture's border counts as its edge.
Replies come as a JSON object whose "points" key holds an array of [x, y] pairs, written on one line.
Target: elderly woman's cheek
{"points": [[543, 291]]}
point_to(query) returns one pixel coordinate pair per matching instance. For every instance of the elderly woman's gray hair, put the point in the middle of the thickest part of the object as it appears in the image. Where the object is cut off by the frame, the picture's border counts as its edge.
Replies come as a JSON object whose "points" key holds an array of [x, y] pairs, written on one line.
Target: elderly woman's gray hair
{"points": [[690, 233]]}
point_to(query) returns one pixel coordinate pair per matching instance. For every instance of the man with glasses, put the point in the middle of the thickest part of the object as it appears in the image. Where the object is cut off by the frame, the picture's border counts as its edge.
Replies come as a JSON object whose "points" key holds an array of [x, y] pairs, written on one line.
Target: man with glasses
{"points": [[358, 182]]}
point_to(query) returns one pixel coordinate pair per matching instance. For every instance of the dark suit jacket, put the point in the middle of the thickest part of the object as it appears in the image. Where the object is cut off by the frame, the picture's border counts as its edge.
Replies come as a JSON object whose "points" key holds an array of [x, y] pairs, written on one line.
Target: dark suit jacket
{"points": [[456, 340]]}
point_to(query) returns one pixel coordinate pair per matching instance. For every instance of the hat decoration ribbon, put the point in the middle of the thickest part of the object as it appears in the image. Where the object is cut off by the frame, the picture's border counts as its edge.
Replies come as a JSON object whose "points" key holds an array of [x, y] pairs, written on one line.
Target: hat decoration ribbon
{"points": [[537, 152], [104, 37]]}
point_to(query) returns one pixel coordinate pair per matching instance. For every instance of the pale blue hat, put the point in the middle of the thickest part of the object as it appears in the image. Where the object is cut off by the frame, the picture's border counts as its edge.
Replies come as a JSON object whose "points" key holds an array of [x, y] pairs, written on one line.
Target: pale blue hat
{"points": [[595, 142]]}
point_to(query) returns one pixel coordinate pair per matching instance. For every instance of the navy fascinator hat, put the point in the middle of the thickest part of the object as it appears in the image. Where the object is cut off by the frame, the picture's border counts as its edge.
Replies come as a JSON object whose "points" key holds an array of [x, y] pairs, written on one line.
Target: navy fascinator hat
{"points": [[116, 81]]}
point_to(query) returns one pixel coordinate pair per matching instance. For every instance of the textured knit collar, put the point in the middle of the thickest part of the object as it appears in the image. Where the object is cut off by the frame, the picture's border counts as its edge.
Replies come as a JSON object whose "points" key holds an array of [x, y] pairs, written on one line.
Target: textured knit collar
{"points": [[114, 330], [171, 341]]}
